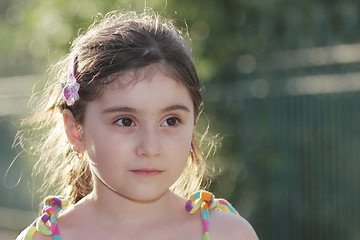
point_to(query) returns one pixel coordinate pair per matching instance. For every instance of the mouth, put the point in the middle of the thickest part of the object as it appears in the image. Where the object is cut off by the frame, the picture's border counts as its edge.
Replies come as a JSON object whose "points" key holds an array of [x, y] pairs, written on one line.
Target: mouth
{"points": [[147, 172]]}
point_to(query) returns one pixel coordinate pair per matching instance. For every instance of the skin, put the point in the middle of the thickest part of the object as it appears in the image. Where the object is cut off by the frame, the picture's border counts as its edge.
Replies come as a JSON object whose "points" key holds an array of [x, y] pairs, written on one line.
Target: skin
{"points": [[138, 140]]}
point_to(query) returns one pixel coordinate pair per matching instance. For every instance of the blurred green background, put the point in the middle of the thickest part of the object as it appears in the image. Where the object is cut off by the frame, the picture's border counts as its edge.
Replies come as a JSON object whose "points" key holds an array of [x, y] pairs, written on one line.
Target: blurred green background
{"points": [[282, 87]]}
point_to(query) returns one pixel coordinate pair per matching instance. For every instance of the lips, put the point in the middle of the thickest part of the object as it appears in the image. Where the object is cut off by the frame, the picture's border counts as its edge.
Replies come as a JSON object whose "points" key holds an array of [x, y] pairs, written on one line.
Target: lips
{"points": [[147, 172]]}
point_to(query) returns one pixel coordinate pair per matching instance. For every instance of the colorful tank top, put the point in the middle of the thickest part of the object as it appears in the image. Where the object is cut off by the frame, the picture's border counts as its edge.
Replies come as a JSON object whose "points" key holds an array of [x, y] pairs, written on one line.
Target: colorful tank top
{"points": [[47, 222]]}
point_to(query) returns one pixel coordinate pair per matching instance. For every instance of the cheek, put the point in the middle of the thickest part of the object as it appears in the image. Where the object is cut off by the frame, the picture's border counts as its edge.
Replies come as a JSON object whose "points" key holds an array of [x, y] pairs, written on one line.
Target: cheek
{"points": [[103, 146], [182, 145]]}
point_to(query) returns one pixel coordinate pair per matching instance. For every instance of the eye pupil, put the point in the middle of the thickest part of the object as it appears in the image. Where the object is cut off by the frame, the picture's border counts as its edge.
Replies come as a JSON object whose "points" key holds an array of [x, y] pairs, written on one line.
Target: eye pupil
{"points": [[171, 121], [126, 122]]}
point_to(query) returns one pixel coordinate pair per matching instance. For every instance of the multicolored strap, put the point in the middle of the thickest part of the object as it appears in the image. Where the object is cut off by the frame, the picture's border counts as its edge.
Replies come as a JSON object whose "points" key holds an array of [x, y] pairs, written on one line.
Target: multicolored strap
{"points": [[47, 223], [205, 201]]}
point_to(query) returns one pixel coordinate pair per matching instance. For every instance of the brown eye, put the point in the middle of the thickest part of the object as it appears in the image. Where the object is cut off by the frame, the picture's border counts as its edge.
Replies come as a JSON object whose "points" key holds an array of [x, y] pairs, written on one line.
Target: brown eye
{"points": [[170, 122], [125, 122]]}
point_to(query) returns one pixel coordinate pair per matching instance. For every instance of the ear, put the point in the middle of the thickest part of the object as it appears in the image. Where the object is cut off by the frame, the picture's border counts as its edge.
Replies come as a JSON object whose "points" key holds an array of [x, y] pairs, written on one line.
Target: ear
{"points": [[73, 133]]}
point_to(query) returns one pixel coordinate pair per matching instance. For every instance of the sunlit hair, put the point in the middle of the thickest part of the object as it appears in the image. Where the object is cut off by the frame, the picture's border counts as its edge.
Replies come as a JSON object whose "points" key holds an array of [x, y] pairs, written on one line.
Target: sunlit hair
{"points": [[115, 44]]}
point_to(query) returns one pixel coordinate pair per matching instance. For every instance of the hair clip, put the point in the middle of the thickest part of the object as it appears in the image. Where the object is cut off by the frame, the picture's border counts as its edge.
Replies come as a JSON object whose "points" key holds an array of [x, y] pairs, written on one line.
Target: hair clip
{"points": [[71, 87]]}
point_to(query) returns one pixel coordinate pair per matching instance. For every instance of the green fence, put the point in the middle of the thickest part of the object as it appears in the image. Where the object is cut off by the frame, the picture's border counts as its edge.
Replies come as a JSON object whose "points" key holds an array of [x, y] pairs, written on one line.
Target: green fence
{"points": [[292, 147]]}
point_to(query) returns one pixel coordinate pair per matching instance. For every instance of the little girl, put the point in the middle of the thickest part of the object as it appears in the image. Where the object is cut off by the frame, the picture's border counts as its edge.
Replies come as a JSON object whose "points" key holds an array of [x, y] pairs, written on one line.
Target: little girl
{"points": [[120, 113]]}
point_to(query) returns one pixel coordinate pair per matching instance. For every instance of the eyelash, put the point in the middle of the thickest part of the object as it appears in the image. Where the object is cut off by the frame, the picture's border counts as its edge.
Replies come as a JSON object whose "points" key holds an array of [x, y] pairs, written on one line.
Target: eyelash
{"points": [[131, 121]]}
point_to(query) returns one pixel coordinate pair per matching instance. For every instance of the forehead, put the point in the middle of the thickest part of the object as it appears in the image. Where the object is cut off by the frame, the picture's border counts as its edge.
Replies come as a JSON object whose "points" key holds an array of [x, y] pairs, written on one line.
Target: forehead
{"points": [[133, 76], [143, 86]]}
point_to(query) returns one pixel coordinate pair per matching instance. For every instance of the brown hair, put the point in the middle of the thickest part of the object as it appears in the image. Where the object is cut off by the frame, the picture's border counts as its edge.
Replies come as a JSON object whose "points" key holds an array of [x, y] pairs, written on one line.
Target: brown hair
{"points": [[116, 43]]}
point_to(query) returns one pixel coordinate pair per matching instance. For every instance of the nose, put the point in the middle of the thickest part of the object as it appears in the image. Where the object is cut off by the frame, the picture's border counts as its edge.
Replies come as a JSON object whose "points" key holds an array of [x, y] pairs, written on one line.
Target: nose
{"points": [[149, 143]]}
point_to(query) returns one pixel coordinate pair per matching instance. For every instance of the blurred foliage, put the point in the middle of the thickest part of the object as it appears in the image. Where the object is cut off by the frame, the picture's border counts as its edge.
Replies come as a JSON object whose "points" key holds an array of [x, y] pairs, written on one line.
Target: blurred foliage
{"points": [[16, 191], [225, 34], [36, 33]]}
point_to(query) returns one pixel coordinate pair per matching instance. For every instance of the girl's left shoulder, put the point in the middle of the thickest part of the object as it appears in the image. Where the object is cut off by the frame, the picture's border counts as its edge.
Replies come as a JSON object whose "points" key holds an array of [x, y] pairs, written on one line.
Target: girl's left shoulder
{"points": [[226, 225]]}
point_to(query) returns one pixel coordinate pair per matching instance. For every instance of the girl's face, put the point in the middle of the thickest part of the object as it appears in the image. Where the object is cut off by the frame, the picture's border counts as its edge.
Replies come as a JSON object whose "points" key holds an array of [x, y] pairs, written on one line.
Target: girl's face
{"points": [[138, 137]]}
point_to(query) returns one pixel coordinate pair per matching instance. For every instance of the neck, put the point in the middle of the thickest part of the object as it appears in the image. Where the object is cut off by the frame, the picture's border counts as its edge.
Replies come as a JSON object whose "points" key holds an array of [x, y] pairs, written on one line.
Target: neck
{"points": [[114, 207]]}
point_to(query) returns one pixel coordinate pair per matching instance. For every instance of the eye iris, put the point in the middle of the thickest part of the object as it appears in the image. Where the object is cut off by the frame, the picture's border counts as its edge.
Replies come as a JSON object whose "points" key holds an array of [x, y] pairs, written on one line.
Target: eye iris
{"points": [[126, 122], [171, 121]]}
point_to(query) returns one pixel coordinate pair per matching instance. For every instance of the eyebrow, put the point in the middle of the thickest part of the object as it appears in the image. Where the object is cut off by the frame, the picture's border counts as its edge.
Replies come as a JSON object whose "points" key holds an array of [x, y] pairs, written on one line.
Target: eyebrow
{"points": [[118, 109], [176, 107], [133, 110]]}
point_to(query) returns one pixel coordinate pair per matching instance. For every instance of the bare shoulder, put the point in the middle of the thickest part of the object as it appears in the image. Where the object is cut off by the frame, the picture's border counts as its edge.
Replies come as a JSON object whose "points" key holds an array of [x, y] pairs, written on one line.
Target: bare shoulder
{"points": [[37, 236], [226, 225]]}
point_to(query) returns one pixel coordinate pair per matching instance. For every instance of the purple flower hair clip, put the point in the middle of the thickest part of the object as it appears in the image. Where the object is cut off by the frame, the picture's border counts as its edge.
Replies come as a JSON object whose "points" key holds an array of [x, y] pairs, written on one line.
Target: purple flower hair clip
{"points": [[70, 89]]}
